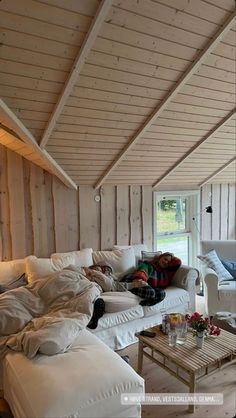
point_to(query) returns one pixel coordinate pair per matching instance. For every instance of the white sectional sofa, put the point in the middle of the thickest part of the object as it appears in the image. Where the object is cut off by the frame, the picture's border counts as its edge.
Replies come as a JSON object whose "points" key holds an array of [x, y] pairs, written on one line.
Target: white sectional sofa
{"points": [[124, 316], [88, 380]]}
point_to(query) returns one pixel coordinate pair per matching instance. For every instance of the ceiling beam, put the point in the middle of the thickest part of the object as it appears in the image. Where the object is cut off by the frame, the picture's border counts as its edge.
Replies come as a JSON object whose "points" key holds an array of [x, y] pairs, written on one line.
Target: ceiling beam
{"points": [[196, 146], [11, 121], [170, 96], [76, 68], [217, 172]]}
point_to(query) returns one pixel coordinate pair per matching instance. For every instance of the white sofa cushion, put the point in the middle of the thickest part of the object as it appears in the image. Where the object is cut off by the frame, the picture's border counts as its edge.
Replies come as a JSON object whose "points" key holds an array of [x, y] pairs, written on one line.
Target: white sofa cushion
{"points": [[138, 248], [119, 301], [121, 261], [86, 381], [82, 258], [11, 270], [174, 297], [212, 260], [41, 267], [110, 320]]}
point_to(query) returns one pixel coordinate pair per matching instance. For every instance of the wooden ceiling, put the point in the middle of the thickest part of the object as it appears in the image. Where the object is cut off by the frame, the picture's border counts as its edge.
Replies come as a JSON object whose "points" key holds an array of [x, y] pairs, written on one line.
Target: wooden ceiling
{"points": [[122, 91]]}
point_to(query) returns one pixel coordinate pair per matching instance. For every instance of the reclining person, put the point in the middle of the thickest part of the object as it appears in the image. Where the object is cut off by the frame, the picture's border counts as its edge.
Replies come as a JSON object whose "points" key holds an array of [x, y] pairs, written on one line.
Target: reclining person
{"points": [[152, 277]]}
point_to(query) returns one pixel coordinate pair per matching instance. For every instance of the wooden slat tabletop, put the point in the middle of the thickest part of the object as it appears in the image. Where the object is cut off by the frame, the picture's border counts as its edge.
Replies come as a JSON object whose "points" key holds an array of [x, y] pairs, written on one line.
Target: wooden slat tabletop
{"points": [[189, 356]]}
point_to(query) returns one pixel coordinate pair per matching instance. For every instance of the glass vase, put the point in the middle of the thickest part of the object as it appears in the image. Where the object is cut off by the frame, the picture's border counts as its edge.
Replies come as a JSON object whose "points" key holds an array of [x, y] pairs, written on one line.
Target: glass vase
{"points": [[200, 339]]}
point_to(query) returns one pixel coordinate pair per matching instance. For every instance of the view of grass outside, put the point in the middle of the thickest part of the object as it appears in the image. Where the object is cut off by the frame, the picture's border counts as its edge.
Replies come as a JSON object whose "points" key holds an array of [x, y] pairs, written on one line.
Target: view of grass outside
{"points": [[171, 218], [176, 245]]}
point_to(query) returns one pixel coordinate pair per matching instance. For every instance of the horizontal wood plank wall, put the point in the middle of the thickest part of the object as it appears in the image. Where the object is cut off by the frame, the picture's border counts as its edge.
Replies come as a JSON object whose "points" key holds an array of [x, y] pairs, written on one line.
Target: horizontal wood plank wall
{"points": [[39, 215], [220, 225]]}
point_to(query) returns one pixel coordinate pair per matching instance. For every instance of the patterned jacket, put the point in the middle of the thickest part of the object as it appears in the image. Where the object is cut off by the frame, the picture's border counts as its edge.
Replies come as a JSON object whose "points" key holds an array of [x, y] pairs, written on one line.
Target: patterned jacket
{"points": [[154, 275]]}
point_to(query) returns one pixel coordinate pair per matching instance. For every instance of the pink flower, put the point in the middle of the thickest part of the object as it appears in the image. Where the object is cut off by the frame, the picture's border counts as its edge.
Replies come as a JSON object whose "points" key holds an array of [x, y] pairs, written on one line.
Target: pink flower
{"points": [[200, 324]]}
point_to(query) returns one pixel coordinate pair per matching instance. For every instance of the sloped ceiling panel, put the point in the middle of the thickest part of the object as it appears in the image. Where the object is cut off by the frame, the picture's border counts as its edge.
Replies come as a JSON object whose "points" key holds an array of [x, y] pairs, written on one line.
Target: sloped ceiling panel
{"points": [[142, 50], [39, 42]]}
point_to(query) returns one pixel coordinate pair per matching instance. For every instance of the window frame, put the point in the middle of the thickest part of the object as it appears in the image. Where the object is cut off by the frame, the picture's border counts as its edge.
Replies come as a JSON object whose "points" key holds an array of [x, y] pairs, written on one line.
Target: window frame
{"points": [[192, 226]]}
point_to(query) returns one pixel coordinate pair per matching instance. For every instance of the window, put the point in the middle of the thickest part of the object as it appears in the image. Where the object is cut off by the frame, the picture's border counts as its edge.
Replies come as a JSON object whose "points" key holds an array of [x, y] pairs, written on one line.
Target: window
{"points": [[174, 229]]}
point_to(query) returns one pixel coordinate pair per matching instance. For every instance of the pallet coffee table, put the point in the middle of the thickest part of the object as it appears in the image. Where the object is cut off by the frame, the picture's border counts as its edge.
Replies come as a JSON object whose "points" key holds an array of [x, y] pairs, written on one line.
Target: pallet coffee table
{"points": [[186, 362]]}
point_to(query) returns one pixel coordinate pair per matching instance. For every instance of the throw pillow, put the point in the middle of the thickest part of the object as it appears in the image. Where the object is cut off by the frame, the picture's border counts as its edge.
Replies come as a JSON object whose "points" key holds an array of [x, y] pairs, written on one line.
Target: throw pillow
{"points": [[41, 267], [212, 260], [82, 258], [21, 281], [138, 248], [11, 271], [121, 261], [148, 255], [230, 265]]}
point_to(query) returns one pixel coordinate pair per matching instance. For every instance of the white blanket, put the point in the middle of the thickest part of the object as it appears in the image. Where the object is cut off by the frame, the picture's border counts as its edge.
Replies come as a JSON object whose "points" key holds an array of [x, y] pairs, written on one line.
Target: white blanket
{"points": [[47, 315]]}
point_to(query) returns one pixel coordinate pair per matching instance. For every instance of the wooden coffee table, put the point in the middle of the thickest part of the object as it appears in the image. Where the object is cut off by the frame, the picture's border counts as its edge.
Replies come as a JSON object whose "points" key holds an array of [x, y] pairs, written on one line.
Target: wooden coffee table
{"points": [[186, 362]]}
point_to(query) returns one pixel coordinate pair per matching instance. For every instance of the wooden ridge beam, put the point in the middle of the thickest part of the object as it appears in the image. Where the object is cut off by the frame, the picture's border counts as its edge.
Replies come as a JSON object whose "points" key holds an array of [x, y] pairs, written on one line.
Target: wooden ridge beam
{"points": [[192, 150], [170, 96], [217, 172], [11, 121], [76, 68]]}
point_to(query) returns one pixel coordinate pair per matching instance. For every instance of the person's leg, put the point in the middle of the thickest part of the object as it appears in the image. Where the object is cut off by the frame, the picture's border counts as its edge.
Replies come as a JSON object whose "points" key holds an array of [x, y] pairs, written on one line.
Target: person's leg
{"points": [[160, 294], [98, 311], [149, 295], [145, 292]]}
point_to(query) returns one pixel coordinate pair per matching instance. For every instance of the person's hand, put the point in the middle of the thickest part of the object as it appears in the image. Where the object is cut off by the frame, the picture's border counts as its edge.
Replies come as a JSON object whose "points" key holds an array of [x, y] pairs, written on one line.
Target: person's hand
{"points": [[139, 283]]}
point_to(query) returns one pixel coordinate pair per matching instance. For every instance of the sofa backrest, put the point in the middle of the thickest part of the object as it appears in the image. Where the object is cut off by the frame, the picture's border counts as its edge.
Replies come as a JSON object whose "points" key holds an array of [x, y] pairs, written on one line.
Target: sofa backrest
{"points": [[224, 249]]}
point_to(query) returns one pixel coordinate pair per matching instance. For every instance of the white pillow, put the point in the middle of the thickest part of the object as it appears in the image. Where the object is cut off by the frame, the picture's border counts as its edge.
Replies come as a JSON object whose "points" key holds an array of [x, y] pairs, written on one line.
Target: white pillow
{"points": [[138, 248], [121, 261], [11, 270], [212, 260], [41, 267], [82, 258]]}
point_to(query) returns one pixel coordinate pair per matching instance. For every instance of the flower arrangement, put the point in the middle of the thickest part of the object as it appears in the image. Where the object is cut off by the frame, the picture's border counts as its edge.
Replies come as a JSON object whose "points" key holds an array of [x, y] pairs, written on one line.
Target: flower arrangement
{"points": [[202, 325]]}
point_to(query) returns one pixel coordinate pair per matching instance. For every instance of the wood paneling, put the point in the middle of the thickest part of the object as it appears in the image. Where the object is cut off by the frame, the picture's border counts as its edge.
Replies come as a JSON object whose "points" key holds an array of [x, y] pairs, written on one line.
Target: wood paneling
{"points": [[160, 58], [15, 184], [220, 225], [40, 215], [65, 203], [108, 216], [6, 245]]}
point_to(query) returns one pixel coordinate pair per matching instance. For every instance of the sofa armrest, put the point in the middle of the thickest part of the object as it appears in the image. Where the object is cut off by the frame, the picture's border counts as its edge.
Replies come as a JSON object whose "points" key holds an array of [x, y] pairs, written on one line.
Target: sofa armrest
{"points": [[184, 276], [211, 279], [211, 293], [187, 278]]}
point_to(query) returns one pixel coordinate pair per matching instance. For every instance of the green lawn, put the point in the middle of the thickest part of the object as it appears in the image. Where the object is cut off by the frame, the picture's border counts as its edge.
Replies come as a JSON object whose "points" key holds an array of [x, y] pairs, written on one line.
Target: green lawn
{"points": [[166, 221]]}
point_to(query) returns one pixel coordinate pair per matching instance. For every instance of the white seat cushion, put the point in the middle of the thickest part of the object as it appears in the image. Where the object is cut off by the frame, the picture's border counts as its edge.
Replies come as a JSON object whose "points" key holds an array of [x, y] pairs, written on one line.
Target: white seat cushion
{"points": [[119, 301], [174, 297], [86, 381], [110, 320], [227, 296]]}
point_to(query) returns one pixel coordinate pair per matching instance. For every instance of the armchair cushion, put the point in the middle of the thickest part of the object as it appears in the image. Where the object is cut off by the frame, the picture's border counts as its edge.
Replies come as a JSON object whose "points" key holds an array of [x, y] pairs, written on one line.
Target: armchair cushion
{"points": [[230, 265], [212, 260]]}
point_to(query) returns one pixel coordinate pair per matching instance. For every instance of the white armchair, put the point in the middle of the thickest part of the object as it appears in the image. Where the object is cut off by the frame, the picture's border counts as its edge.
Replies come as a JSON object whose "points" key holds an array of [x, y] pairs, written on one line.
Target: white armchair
{"points": [[220, 296]]}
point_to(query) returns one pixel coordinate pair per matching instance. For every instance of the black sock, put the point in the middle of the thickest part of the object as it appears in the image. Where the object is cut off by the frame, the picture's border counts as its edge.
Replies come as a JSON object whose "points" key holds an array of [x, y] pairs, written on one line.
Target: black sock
{"points": [[98, 311]]}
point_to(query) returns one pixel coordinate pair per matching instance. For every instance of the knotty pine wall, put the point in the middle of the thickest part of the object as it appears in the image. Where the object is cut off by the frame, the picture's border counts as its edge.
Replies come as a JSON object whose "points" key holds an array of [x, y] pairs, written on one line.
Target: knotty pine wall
{"points": [[221, 224], [39, 215]]}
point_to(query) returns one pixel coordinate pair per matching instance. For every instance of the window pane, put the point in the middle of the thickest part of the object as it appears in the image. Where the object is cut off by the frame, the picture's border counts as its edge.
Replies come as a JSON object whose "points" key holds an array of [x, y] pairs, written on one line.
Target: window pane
{"points": [[171, 215], [176, 245]]}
